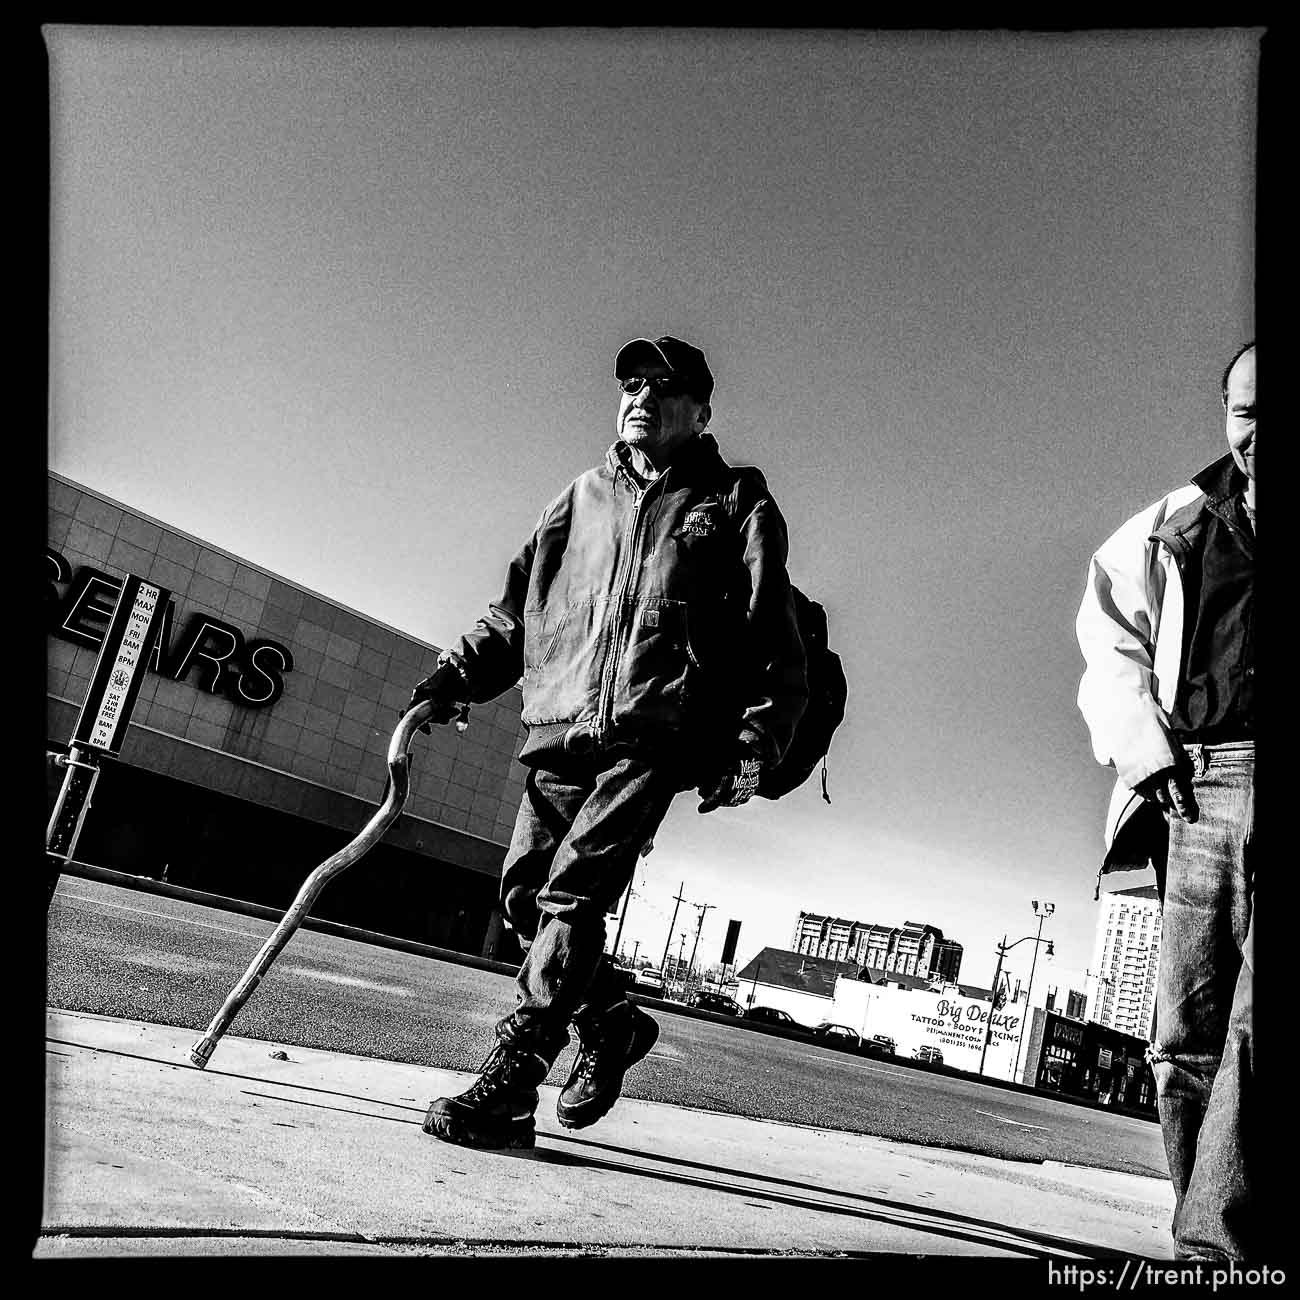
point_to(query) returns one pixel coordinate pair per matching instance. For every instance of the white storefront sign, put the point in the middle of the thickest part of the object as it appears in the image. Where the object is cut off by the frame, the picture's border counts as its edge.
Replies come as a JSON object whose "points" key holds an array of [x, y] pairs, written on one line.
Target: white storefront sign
{"points": [[915, 1018]]}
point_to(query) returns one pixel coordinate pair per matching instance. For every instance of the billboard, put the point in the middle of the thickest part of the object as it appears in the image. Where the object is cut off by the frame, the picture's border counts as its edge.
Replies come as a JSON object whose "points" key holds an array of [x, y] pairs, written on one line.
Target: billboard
{"points": [[729, 947]]}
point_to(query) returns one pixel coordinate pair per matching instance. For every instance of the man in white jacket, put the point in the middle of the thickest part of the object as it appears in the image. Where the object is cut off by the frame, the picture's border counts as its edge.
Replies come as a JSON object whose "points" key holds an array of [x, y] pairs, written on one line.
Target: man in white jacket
{"points": [[1167, 629]]}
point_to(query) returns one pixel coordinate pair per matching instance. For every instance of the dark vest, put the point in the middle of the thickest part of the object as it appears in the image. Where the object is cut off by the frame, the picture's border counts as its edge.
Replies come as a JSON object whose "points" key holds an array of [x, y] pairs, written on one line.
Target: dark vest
{"points": [[1216, 697]]}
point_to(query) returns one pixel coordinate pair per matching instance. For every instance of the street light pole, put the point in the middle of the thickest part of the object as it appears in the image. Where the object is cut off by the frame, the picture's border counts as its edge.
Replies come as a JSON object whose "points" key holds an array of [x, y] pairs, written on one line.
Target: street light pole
{"points": [[1048, 909]]}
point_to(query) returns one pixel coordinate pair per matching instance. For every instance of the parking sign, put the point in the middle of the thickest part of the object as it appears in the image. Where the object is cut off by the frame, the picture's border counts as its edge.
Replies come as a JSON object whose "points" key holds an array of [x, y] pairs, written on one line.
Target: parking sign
{"points": [[115, 683]]}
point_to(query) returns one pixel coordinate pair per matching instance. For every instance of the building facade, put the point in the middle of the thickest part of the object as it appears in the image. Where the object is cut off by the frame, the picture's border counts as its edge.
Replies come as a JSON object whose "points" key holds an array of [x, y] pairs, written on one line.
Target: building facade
{"points": [[1126, 957], [257, 746], [797, 983], [1076, 1005], [913, 948], [1087, 1059], [956, 1019]]}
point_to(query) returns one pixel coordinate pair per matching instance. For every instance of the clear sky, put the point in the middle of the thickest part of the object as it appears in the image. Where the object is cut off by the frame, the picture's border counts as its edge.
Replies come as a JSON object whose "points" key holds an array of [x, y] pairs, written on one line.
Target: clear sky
{"points": [[346, 304]]}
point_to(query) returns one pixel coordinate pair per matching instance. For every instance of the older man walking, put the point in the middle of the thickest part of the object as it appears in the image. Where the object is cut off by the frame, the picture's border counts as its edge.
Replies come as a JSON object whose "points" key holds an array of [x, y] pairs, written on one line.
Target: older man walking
{"points": [[651, 618]]}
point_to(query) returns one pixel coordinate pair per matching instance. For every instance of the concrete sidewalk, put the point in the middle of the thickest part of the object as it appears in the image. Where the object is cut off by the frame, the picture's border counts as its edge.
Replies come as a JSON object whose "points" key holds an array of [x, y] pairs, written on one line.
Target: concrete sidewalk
{"points": [[287, 1151]]}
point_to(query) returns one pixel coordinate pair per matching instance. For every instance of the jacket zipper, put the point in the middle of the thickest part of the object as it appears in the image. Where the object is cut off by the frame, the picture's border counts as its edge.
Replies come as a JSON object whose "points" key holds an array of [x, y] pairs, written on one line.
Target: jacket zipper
{"points": [[614, 651]]}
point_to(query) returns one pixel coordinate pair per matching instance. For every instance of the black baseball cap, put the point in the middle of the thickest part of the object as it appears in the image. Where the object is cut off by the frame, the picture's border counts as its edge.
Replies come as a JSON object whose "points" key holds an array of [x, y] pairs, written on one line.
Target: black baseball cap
{"points": [[680, 358]]}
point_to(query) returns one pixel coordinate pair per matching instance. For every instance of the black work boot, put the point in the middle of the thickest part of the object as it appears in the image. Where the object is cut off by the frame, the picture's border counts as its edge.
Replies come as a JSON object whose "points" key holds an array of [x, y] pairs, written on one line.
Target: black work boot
{"points": [[497, 1109], [608, 1044]]}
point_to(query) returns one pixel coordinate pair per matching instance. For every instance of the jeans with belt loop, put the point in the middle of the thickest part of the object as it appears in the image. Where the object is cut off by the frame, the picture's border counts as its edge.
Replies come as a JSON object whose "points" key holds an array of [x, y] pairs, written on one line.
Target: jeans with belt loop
{"points": [[1203, 1054]]}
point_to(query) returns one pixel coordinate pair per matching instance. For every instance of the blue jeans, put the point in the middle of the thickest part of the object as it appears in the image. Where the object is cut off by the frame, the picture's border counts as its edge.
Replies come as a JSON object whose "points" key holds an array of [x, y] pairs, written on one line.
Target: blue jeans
{"points": [[1203, 1054], [573, 853]]}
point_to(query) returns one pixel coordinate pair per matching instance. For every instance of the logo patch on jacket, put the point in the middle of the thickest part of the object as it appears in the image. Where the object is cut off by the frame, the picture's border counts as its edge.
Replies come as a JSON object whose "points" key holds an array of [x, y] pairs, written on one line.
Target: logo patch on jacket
{"points": [[700, 522]]}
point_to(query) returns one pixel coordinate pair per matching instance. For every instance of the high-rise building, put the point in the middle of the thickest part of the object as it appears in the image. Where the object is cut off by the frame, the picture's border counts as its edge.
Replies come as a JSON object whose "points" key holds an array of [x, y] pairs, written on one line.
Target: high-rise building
{"points": [[1126, 956], [910, 949]]}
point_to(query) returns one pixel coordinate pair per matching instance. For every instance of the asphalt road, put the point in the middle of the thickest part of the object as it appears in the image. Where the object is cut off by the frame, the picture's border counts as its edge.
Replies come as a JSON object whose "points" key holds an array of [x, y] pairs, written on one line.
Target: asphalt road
{"points": [[119, 952]]}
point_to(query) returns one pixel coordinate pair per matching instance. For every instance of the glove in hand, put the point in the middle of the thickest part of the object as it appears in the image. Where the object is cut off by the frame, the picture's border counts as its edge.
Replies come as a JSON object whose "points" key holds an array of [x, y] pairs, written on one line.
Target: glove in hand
{"points": [[445, 689], [735, 786]]}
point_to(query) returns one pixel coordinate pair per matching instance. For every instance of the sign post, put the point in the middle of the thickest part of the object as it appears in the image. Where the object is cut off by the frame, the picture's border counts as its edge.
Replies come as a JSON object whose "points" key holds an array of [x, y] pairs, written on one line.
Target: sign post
{"points": [[729, 951], [101, 727]]}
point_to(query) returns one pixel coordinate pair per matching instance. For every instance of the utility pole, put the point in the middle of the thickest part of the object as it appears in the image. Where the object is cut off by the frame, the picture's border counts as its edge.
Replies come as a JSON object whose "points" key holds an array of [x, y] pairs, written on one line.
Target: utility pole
{"points": [[635, 946], [1003, 948], [622, 916], [993, 1004], [701, 908], [663, 965], [681, 947]]}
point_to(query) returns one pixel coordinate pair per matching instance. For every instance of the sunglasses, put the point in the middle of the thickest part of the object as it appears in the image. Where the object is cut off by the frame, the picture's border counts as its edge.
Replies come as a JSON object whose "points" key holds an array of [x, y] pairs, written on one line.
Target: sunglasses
{"points": [[660, 385]]}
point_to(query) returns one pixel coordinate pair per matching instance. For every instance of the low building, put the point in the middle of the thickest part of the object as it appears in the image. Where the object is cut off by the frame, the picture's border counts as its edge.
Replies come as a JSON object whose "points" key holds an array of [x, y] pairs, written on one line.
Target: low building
{"points": [[914, 1012], [893, 979], [957, 1020], [793, 982], [1076, 1005], [1033, 1046], [1088, 1060], [257, 747]]}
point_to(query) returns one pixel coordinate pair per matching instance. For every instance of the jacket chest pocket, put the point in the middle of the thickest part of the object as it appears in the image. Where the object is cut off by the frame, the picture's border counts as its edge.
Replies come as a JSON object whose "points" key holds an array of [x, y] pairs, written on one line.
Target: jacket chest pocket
{"points": [[700, 567]]}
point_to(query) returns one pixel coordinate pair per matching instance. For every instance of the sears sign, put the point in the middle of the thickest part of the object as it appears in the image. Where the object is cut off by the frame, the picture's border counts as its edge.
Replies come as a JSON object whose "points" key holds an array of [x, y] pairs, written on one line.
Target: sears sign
{"points": [[212, 653]]}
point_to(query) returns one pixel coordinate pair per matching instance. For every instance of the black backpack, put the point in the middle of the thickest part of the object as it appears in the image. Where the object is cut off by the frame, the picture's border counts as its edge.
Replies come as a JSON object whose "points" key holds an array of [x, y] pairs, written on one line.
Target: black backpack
{"points": [[828, 691]]}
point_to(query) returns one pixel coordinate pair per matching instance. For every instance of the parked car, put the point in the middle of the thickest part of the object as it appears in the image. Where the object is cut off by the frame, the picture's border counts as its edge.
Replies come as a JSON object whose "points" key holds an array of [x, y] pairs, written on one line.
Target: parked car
{"points": [[884, 1043], [838, 1035], [931, 1054], [704, 1000], [650, 982], [771, 1016]]}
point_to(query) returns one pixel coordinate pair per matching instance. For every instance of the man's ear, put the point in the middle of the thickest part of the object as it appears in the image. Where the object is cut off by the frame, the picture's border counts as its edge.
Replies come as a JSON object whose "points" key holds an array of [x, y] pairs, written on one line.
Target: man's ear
{"points": [[706, 413]]}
